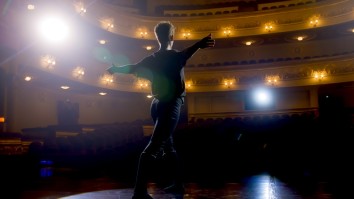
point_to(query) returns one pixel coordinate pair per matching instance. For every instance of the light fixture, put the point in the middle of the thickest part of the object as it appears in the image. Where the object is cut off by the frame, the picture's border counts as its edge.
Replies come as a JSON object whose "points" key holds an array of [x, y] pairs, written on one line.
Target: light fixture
{"points": [[107, 23], [186, 35], [51, 61], [2, 119], [80, 7], [269, 26], [102, 93], [143, 34], [78, 72], [110, 80], [248, 43], [110, 26], [272, 80], [148, 47], [30, 7], [142, 84], [229, 82], [82, 10], [102, 41], [300, 38], [107, 79], [319, 74], [227, 32], [189, 84], [149, 96], [65, 87], [314, 21], [48, 61], [28, 78]]}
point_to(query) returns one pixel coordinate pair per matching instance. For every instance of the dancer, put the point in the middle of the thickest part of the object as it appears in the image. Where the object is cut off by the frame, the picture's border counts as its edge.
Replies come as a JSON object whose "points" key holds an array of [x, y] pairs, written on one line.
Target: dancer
{"points": [[165, 70]]}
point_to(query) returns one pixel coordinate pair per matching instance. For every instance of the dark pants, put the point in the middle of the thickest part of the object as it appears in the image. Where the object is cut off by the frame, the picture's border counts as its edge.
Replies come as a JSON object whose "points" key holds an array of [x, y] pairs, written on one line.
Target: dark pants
{"points": [[165, 116]]}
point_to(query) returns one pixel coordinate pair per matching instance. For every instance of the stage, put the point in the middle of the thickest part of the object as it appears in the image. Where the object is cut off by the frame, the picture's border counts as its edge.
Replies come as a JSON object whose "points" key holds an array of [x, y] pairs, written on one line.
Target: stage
{"points": [[261, 186]]}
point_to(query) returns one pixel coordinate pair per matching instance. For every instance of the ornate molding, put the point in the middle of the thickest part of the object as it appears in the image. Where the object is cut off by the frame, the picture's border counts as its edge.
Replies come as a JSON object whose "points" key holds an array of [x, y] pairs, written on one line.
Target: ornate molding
{"points": [[288, 74], [248, 23]]}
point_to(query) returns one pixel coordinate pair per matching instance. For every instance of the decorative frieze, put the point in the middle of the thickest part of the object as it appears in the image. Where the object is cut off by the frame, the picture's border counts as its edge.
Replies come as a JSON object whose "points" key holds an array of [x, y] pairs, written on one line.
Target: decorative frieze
{"points": [[246, 24]]}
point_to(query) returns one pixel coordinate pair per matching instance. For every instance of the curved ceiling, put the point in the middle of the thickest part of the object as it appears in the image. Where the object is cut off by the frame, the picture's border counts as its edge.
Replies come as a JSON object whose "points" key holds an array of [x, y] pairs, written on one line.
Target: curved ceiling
{"points": [[276, 52]]}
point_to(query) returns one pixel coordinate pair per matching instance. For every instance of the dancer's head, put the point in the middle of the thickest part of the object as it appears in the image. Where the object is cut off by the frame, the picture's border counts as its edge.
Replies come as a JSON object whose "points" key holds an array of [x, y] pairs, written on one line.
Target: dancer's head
{"points": [[164, 32]]}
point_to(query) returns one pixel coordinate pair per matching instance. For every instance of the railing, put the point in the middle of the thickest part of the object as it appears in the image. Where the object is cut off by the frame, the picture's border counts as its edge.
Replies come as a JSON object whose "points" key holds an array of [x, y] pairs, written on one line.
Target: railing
{"points": [[283, 4], [201, 12], [223, 115]]}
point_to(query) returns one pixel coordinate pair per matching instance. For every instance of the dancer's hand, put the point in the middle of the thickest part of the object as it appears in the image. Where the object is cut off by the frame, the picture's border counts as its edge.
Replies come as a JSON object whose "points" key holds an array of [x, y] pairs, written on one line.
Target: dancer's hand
{"points": [[110, 70], [206, 42]]}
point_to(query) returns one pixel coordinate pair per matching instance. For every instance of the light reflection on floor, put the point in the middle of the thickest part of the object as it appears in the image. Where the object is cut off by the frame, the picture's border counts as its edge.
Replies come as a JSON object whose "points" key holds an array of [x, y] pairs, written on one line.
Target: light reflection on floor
{"points": [[256, 187]]}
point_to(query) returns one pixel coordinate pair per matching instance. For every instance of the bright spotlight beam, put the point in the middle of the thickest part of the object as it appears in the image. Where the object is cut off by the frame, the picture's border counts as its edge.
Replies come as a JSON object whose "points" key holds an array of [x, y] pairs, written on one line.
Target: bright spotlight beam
{"points": [[54, 29], [262, 97]]}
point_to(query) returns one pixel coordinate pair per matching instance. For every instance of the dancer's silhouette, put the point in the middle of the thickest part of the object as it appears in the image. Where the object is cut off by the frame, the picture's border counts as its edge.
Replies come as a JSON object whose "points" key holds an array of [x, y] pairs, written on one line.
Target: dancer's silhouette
{"points": [[165, 70]]}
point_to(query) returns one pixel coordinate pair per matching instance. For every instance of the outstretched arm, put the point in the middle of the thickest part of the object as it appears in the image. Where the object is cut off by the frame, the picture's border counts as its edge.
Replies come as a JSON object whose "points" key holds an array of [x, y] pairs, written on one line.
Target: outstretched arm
{"points": [[206, 42], [125, 69]]}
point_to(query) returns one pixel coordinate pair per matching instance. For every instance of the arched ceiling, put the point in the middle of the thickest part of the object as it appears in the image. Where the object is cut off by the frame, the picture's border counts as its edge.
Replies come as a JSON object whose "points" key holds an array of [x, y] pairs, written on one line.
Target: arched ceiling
{"points": [[275, 52]]}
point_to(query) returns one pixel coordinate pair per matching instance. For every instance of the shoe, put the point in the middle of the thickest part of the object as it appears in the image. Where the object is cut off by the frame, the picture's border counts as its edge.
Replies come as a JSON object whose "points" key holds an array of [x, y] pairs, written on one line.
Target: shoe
{"points": [[142, 196], [175, 189]]}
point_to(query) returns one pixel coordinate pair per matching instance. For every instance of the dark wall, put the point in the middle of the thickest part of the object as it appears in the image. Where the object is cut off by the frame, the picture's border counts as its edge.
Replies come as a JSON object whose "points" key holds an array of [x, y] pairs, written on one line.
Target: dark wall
{"points": [[2, 96]]}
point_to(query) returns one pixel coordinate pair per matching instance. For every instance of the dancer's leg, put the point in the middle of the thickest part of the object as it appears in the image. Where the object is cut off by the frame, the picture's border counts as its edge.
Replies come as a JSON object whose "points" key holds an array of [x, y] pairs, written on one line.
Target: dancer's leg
{"points": [[177, 186]]}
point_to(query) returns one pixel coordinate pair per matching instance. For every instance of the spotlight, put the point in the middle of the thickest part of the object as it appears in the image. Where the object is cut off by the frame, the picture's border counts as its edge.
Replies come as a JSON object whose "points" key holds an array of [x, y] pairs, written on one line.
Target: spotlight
{"points": [[259, 99], [262, 97], [54, 29]]}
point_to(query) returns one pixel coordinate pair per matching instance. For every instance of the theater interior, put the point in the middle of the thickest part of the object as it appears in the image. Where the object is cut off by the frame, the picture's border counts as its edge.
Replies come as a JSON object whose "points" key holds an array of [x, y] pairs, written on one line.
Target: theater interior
{"points": [[268, 113]]}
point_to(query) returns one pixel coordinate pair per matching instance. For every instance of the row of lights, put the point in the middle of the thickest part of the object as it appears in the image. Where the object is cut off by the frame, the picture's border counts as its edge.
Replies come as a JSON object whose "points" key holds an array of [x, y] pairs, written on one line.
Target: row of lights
{"points": [[108, 24], [269, 26], [270, 80], [227, 32], [103, 42], [49, 62]]}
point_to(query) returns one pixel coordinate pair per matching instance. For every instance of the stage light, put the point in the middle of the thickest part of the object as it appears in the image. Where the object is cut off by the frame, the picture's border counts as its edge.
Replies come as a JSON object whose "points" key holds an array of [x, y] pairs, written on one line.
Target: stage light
{"points": [[262, 97], [54, 29]]}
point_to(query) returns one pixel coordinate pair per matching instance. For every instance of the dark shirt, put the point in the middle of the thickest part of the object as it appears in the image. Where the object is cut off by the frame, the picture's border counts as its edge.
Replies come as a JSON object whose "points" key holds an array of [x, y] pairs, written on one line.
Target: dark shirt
{"points": [[165, 70]]}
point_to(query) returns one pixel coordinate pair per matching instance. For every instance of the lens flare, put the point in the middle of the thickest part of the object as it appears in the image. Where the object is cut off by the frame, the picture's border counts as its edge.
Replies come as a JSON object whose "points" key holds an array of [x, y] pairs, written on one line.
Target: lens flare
{"points": [[54, 29]]}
